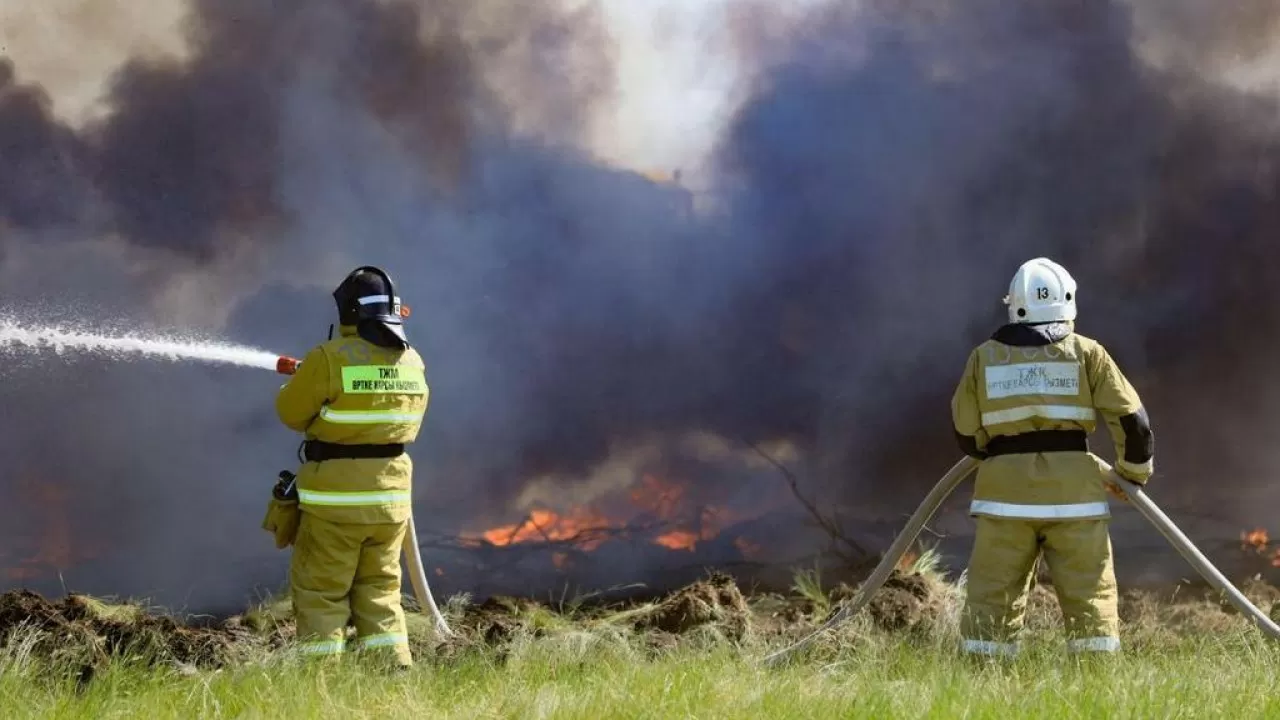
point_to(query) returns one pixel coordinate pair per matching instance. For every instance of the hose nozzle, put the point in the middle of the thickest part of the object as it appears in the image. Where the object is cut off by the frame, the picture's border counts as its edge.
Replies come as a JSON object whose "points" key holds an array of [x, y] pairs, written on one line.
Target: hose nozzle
{"points": [[286, 365]]}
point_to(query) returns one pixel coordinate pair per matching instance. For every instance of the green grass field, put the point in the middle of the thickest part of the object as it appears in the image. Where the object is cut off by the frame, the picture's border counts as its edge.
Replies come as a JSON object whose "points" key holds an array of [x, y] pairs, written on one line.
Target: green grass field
{"points": [[1185, 659], [1232, 677]]}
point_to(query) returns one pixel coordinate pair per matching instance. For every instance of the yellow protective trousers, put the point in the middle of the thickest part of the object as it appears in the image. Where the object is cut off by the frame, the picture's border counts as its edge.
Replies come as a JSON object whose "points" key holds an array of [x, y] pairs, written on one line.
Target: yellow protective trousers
{"points": [[1078, 555], [343, 572]]}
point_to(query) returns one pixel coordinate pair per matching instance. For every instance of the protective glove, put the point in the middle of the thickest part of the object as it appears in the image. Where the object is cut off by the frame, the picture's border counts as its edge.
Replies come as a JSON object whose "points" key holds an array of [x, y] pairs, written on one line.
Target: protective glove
{"points": [[1131, 476], [1116, 490]]}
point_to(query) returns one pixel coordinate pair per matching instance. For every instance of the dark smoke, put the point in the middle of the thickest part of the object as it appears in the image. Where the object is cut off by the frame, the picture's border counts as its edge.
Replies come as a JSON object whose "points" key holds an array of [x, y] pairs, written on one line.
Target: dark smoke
{"points": [[299, 131], [889, 170], [896, 195], [39, 182]]}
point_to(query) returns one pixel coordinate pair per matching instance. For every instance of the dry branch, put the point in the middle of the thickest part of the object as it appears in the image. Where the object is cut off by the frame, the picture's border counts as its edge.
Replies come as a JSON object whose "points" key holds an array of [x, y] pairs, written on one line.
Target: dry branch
{"points": [[832, 527]]}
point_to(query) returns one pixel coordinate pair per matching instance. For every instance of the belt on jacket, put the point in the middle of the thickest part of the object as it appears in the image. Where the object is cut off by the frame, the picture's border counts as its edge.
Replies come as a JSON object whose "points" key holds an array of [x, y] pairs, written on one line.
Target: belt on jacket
{"points": [[1038, 441], [319, 451]]}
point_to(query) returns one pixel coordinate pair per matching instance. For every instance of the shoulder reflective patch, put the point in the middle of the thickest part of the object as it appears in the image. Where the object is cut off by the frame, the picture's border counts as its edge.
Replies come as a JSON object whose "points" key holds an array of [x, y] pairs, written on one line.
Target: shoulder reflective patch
{"points": [[1043, 378], [387, 379]]}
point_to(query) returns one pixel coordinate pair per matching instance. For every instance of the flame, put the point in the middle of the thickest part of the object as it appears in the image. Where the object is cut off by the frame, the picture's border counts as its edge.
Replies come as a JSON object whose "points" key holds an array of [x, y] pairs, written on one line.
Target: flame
{"points": [[678, 540], [1256, 540], [549, 526], [654, 499], [711, 521]]}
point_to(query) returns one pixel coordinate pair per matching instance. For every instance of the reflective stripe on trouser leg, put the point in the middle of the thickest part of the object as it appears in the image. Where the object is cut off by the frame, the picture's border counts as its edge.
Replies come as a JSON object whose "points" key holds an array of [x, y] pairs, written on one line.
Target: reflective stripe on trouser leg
{"points": [[1094, 644], [1078, 554], [320, 574], [999, 576], [382, 640], [989, 647], [322, 647], [375, 594]]}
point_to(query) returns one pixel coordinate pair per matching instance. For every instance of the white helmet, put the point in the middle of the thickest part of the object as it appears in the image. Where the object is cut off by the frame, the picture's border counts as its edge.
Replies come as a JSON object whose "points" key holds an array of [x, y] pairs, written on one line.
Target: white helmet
{"points": [[1041, 291]]}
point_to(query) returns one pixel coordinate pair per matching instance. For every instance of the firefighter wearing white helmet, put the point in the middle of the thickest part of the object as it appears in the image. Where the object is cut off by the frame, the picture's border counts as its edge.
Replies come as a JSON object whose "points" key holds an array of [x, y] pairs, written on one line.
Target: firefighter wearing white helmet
{"points": [[1025, 405]]}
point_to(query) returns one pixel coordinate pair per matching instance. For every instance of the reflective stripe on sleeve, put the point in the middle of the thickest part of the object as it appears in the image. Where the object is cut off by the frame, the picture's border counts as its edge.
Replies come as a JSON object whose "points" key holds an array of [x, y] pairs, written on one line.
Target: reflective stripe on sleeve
{"points": [[383, 640], [349, 499], [368, 417], [987, 647], [1026, 412], [1039, 512], [1094, 644]]}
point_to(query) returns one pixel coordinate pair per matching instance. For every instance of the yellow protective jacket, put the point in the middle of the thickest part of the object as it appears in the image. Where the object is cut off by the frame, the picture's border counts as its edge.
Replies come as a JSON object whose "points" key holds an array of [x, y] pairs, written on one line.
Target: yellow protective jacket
{"points": [[1035, 378], [349, 391]]}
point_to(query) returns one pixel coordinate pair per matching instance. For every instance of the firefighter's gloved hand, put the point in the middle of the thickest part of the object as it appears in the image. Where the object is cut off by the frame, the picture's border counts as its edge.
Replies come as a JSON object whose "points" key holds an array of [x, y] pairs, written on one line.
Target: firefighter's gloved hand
{"points": [[1138, 473], [1132, 477]]}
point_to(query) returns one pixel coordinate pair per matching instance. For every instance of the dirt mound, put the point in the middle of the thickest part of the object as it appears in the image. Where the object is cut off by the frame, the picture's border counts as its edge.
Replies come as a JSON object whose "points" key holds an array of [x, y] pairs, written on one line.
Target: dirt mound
{"points": [[83, 630], [904, 601], [497, 620], [716, 600]]}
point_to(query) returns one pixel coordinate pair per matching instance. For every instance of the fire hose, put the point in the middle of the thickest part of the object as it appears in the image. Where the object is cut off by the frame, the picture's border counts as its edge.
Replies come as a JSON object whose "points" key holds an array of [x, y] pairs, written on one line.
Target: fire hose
{"points": [[958, 472], [412, 553], [418, 578]]}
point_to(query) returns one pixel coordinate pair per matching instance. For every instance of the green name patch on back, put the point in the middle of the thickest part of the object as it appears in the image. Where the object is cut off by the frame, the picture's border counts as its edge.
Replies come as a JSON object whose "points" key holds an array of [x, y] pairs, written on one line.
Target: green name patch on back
{"points": [[393, 379]]}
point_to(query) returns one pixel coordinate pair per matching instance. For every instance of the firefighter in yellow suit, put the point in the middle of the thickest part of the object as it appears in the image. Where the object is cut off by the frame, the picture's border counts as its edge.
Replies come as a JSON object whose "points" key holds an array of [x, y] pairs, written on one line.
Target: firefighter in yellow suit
{"points": [[1025, 406], [359, 399]]}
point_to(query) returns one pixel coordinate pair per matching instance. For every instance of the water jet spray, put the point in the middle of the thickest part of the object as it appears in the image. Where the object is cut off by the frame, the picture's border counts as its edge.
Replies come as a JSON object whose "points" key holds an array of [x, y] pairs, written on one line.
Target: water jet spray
{"points": [[15, 336]]}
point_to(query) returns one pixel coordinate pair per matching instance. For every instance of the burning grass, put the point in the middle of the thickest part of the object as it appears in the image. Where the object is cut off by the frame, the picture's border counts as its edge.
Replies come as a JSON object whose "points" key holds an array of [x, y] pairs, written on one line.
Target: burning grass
{"points": [[653, 510], [688, 653]]}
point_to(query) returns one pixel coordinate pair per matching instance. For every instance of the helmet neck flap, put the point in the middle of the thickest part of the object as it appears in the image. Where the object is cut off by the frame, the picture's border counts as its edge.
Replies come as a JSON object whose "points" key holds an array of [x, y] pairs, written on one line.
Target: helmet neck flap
{"points": [[367, 299]]}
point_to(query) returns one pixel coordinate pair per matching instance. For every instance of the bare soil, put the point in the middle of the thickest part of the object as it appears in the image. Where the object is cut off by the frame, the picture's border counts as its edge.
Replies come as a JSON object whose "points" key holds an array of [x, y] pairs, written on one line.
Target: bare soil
{"points": [[716, 600]]}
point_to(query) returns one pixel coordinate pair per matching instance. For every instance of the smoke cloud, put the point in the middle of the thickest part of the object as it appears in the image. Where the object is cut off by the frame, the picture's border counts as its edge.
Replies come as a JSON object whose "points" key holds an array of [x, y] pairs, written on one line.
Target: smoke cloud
{"points": [[889, 168]]}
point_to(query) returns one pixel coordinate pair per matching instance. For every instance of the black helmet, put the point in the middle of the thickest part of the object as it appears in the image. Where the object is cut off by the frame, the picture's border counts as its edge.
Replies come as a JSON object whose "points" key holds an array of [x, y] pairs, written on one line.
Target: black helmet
{"points": [[368, 300]]}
